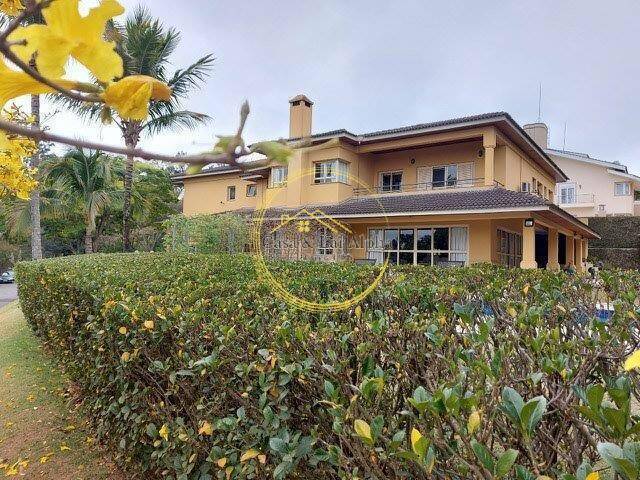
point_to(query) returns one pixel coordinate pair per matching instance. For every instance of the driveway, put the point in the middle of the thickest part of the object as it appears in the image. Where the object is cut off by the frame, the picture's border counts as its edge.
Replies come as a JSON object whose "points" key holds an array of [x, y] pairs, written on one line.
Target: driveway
{"points": [[8, 293]]}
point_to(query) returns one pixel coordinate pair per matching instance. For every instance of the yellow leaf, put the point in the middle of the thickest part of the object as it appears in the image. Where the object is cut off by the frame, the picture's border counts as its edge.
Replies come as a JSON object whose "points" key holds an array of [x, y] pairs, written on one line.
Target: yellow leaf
{"points": [[64, 448], [222, 462], [358, 311], [148, 324], [164, 432], [416, 436], [262, 459], [125, 357], [249, 454], [474, 422], [205, 428], [69, 34], [363, 429], [122, 330], [593, 476], [512, 311], [131, 95], [183, 437], [525, 290], [633, 361]]}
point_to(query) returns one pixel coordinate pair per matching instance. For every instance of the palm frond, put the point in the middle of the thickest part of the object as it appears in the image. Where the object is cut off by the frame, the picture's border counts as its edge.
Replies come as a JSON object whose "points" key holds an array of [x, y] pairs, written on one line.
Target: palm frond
{"points": [[191, 77], [174, 120]]}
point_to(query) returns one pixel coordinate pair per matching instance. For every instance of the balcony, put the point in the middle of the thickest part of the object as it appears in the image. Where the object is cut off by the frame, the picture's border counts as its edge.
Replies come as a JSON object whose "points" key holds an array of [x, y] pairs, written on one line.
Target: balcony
{"points": [[424, 187], [576, 200]]}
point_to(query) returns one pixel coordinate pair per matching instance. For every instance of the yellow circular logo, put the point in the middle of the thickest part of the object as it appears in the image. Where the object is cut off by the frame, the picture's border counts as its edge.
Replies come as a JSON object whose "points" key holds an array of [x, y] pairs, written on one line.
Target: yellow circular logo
{"points": [[330, 239]]}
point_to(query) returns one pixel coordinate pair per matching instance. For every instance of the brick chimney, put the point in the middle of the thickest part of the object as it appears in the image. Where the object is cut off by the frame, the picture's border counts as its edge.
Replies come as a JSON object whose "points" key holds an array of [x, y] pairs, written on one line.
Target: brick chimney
{"points": [[539, 132], [300, 110]]}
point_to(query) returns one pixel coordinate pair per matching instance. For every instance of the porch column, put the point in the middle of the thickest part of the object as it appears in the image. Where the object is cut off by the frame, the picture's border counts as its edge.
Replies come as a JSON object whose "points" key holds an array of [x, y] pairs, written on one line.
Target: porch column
{"points": [[552, 254], [579, 262], [570, 254], [585, 248], [528, 246], [489, 145]]}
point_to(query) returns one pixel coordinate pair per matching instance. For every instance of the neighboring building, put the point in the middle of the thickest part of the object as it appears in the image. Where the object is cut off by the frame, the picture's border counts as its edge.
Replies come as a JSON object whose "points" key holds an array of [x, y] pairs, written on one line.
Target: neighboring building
{"points": [[453, 192], [595, 187]]}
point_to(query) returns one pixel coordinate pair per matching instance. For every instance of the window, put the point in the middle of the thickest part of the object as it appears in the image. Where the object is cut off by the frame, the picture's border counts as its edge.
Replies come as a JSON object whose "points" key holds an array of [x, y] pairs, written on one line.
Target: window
{"points": [[324, 241], [509, 248], [391, 181], [526, 187], [278, 176], [601, 208], [231, 192], [567, 193], [331, 171], [444, 176], [419, 246], [622, 189], [252, 190]]}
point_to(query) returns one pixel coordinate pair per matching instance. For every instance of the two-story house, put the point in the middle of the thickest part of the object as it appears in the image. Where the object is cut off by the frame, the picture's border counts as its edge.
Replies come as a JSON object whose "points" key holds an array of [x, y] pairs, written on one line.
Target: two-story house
{"points": [[595, 187], [451, 192]]}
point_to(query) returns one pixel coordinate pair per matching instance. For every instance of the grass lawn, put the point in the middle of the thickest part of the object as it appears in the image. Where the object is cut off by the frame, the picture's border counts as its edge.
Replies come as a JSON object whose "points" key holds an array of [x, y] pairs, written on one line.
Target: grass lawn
{"points": [[40, 435]]}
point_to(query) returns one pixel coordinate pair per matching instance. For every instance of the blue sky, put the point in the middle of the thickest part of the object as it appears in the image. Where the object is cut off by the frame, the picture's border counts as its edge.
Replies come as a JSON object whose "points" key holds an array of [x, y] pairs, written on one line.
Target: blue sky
{"points": [[371, 65]]}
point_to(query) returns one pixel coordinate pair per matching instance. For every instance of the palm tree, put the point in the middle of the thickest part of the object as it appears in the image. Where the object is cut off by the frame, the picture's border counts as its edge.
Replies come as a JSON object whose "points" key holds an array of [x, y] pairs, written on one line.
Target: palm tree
{"points": [[145, 46], [85, 179]]}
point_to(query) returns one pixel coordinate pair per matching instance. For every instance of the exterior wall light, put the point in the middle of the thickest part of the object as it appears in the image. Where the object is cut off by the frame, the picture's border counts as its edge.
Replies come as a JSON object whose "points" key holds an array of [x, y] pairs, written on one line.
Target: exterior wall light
{"points": [[529, 222]]}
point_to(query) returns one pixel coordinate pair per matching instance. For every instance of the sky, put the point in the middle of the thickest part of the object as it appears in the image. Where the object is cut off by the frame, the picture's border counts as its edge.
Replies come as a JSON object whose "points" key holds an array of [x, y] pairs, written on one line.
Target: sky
{"points": [[371, 65]]}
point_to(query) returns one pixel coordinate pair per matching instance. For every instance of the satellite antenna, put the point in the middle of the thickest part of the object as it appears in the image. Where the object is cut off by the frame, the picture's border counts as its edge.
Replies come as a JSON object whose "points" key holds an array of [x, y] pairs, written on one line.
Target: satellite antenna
{"points": [[564, 141]]}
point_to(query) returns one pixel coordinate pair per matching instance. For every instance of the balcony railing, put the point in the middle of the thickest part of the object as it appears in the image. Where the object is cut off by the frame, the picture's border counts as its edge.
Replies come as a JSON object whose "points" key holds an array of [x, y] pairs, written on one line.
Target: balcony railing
{"points": [[422, 187], [577, 199]]}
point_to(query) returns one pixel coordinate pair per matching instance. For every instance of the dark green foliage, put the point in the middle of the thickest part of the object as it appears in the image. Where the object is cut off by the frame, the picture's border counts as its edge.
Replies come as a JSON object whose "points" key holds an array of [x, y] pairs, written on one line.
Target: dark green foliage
{"points": [[620, 243], [385, 391]]}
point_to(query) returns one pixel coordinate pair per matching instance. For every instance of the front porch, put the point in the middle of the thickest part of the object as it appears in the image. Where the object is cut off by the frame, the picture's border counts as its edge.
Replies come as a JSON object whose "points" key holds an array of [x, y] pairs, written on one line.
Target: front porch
{"points": [[524, 239]]}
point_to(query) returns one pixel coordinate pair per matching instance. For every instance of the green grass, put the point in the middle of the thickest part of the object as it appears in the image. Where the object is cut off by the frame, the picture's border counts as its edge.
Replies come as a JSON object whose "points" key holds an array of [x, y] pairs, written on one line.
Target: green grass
{"points": [[41, 436]]}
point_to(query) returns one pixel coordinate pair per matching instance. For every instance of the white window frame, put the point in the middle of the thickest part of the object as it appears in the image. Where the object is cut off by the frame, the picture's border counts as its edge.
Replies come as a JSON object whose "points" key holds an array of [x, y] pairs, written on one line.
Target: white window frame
{"points": [[626, 187], [391, 187], [378, 252], [231, 188], [325, 242], [446, 183], [567, 198], [253, 186], [331, 171], [278, 176]]}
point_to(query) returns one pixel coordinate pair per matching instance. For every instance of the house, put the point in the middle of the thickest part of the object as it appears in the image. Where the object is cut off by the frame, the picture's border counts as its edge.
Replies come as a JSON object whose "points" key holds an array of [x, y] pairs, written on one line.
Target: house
{"points": [[453, 192], [595, 187]]}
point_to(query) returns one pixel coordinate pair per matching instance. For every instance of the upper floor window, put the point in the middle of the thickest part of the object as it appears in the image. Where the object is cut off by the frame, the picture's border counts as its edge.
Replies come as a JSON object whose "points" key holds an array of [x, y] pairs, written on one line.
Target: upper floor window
{"points": [[567, 193], [278, 176], [622, 189], [252, 190], [391, 181], [526, 187], [331, 171], [231, 192], [445, 175]]}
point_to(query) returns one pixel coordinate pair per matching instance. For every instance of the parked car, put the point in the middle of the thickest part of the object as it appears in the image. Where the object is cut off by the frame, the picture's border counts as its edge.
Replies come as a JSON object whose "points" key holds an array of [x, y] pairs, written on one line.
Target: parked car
{"points": [[7, 277]]}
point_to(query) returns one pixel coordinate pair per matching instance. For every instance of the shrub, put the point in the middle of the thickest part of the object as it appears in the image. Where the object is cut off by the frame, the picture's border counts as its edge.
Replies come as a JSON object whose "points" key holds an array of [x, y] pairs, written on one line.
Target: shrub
{"points": [[190, 367], [219, 233]]}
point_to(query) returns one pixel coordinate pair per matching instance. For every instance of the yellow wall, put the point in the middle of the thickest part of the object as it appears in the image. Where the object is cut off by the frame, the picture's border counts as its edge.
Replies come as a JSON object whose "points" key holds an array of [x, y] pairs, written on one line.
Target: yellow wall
{"points": [[511, 168]]}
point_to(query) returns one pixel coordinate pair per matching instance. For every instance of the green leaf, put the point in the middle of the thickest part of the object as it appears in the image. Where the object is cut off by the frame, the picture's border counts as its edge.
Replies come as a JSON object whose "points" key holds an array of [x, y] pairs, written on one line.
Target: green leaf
{"points": [[278, 445], [276, 151], [371, 386], [483, 454], [512, 404], [363, 430], [419, 400], [377, 425], [617, 419], [524, 474], [532, 413], [505, 462], [614, 456]]}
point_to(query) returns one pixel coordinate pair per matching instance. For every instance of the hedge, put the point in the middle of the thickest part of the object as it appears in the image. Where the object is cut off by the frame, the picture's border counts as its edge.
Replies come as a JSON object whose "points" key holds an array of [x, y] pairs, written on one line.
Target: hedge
{"points": [[190, 368]]}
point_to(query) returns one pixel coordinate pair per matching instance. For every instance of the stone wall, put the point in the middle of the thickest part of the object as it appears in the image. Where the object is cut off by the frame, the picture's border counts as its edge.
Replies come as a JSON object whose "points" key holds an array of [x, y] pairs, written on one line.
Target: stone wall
{"points": [[620, 243]]}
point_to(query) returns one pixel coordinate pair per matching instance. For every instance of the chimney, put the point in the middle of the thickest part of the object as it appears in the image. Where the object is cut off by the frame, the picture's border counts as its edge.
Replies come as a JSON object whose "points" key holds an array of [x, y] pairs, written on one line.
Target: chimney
{"points": [[539, 132], [300, 116]]}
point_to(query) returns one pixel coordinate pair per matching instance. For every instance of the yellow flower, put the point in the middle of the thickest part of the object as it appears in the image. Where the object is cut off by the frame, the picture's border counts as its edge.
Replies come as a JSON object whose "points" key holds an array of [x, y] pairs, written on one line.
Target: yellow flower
{"points": [[11, 7], [131, 95], [205, 428], [633, 361], [593, 476], [122, 330], [164, 432], [67, 34], [148, 324], [14, 84], [474, 421], [125, 357]]}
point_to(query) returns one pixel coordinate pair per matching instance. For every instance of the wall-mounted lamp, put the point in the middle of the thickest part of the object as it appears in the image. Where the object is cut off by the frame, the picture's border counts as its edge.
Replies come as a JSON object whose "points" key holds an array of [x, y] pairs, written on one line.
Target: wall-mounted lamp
{"points": [[413, 160], [529, 222]]}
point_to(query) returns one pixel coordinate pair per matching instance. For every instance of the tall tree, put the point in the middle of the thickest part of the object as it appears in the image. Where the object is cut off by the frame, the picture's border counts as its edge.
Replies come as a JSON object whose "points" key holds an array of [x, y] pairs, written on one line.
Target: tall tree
{"points": [[146, 46], [84, 179]]}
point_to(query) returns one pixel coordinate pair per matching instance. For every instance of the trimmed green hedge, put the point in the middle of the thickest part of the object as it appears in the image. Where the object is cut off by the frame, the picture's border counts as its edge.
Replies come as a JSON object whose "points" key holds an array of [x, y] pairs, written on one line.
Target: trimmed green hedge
{"points": [[191, 368]]}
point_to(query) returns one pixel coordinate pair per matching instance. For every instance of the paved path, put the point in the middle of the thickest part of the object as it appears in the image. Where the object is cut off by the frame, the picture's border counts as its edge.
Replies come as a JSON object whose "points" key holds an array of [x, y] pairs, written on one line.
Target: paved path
{"points": [[8, 293]]}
